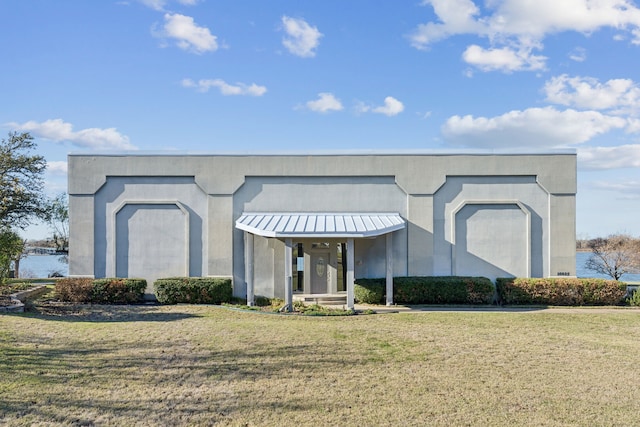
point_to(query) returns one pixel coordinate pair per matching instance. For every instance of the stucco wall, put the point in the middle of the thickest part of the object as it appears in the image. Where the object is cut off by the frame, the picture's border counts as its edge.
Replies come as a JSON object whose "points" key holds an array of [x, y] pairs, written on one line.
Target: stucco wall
{"points": [[317, 194], [463, 239], [454, 205], [149, 227]]}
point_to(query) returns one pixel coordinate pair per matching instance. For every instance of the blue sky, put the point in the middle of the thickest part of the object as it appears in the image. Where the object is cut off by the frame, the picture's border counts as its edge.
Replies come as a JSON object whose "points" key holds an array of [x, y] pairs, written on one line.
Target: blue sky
{"points": [[256, 75]]}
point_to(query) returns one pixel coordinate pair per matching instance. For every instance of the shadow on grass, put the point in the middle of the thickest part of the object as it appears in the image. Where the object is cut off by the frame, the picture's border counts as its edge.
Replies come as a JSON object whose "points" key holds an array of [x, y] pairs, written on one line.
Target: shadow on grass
{"points": [[158, 381], [102, 313], [481, 308]]}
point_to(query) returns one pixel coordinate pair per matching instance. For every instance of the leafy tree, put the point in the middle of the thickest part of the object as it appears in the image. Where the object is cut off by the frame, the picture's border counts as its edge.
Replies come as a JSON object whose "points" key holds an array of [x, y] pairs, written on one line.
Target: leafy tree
{"points": [[11, 249], [21, 181], [57, 217], [614, 256]]}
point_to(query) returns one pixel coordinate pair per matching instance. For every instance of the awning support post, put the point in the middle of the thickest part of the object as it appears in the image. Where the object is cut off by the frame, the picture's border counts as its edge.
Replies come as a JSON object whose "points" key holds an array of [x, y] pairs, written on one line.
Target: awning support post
{"points": [[288, 275], [389, 261], [350, 275], [248, 267]]}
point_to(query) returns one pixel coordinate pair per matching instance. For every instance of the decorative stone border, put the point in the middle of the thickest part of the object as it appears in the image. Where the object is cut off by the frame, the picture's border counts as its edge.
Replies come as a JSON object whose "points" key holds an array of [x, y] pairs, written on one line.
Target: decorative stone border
{"points": [[19, 298]]}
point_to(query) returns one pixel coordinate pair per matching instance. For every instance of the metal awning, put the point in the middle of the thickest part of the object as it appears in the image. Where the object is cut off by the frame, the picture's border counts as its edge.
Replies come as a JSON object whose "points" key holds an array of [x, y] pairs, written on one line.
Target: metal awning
{"points": [[328, 225]]}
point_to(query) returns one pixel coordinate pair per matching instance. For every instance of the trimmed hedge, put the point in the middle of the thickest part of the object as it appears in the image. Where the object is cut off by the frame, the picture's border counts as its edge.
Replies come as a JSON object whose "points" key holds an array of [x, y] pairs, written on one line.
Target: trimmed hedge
{"points": [[100, 291], [193, 290], [560, 291], [427, 290], [369, 291]]}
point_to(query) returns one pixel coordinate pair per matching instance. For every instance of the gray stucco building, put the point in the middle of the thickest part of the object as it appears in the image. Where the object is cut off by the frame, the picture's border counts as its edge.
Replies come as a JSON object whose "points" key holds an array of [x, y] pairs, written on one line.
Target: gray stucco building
{"points": [[311, 223]]}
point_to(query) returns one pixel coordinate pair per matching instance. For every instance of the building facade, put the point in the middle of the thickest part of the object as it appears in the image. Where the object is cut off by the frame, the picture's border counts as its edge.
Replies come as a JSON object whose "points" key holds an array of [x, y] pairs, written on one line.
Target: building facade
{"points": [[312, 223]]}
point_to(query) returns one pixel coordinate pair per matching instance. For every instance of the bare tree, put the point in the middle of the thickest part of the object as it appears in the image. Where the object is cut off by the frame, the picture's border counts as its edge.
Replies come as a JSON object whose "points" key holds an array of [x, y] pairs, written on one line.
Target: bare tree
{"points": [[614, 256]]}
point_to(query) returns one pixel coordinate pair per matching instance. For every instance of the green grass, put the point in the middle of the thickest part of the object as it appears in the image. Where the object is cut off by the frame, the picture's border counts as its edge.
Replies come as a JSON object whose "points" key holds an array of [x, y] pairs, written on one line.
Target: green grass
{"points": [[203, 365]]}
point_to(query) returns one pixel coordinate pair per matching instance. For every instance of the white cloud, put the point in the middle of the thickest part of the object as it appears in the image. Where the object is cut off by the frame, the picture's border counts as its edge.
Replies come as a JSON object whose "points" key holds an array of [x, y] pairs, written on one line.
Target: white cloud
{"points": [[154, 4], [633, 125], [225, 88], [622, 156], [325, 103], [361, 107], [503, 59], [188, 35], [301, 38], [579, 54], [619, 95], [524, 24], [59, 131], [57, 168], [533, 127], [629, 189], [391, 107], [160, 4], [456, 16]]}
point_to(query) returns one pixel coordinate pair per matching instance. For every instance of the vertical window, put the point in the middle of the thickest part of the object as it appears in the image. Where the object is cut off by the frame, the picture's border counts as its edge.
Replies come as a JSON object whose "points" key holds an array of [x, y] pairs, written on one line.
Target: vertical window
{"points": [[298, 268], [342, 271]]}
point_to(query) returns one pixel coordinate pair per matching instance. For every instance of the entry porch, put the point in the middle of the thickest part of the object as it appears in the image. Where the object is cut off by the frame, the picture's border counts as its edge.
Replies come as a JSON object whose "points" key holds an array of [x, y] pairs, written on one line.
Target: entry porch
{"points": [[319, 250]]}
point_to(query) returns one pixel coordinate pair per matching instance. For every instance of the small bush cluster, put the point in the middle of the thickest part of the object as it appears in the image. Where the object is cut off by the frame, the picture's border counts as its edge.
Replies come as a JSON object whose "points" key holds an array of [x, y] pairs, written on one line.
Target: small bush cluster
{"points": [[634, 298], [427, 290], [560, 291], [100, 291], [193, 290], [262, 301], [319, 310]]}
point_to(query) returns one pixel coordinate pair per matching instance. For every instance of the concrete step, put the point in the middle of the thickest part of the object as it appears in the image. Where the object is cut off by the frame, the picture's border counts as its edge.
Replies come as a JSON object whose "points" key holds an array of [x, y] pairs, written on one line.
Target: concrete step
{"points": [[322, 299]]}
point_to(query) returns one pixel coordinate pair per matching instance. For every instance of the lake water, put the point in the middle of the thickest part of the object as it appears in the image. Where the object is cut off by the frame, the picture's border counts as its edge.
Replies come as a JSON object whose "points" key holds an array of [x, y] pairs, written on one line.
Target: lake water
{"points": [[36, 266], [582, 271], [44, 265]]}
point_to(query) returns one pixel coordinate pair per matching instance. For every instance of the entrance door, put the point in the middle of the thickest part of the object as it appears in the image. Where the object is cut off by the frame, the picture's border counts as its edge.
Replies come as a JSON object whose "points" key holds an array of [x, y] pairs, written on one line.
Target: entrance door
{"points": [[318, 273]]}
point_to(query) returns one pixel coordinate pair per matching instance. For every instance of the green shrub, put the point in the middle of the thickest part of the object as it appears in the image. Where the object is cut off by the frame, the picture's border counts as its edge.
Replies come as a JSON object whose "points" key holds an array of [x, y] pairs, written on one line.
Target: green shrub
{"points": [[427, 290], [193, 290], [560, 291], [634, 298], [118, 291], [443, 290], [369, 291], [100, 291], [320, 310], [262, 301], [237, 301]]}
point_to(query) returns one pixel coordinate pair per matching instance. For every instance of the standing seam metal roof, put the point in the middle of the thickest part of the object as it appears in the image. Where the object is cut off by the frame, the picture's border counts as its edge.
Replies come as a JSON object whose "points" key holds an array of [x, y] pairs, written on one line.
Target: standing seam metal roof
{"points": [[296, 224]]}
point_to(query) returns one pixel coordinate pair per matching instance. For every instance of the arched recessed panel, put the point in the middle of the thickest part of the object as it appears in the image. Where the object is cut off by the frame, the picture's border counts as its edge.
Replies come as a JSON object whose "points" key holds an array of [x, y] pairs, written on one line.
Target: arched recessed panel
{"points": [[152, 241], [491, 240]]}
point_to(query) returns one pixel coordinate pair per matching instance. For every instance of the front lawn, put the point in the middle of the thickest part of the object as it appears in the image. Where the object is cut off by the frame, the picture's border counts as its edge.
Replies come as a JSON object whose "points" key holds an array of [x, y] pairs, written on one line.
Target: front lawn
{"points": [[204, 365]]}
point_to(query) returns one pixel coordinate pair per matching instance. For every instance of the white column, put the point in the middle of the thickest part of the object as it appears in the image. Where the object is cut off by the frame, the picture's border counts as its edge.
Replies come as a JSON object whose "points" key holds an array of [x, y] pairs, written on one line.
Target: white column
{"points": [[389, 260], [350, 276], [288, 275], [248, 267]]}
